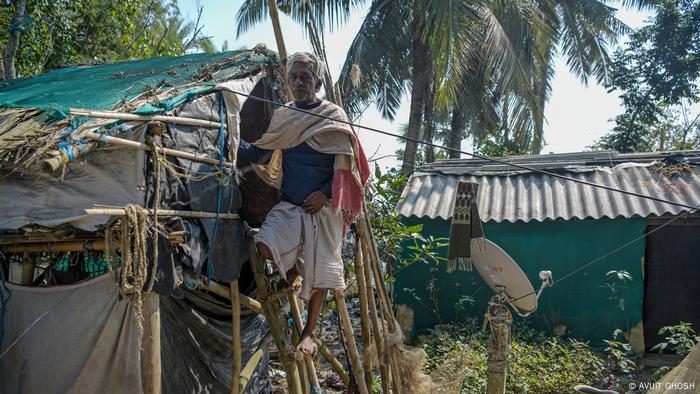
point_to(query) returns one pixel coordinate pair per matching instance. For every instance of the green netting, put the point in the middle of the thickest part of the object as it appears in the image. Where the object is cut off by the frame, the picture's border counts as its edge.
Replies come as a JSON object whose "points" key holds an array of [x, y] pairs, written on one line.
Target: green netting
{"points": [[102, 87]]}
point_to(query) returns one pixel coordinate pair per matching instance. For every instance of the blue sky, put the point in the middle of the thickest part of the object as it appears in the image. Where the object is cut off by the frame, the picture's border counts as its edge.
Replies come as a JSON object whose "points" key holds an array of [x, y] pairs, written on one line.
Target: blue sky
{"points": [[576, 115]]}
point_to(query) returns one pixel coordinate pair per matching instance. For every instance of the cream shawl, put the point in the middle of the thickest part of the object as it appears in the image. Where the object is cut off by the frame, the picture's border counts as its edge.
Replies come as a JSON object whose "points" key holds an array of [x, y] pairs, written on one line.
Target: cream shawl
{"points": [[289, 128]]}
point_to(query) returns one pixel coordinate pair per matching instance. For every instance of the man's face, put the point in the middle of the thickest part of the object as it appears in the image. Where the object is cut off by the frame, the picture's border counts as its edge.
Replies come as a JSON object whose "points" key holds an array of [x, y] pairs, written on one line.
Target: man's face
{"points": [[303, 83]]}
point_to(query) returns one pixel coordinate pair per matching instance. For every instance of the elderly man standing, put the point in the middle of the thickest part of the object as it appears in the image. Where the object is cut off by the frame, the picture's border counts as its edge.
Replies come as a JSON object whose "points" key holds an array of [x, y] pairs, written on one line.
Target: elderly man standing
{"points": [[320, 167]]}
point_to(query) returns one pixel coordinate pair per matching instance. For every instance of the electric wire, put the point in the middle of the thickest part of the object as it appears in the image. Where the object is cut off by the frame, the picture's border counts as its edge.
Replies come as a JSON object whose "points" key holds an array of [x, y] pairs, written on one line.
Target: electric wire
{"points": [[472, 154], [691, 208]]}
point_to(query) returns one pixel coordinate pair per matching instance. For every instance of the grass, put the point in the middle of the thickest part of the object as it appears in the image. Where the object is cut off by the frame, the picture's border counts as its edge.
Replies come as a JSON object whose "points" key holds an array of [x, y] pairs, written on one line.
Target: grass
{"points": [[539, 364]]}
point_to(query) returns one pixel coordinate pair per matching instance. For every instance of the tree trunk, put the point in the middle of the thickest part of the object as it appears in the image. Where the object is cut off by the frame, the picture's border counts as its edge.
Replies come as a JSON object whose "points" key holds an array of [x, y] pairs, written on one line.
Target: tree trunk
{"points": [[457, 125], [421, 77], [429, 133], [13, 41]]}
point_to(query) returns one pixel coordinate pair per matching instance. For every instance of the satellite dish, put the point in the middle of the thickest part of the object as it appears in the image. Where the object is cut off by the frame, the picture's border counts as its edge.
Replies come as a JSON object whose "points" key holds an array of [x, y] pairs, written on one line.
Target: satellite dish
{"points": [[503, 275]]}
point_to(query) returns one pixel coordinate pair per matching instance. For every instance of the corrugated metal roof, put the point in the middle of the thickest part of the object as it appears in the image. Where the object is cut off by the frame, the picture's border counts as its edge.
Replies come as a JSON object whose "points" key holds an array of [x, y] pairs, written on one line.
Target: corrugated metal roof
{"points": [[509, 195]]}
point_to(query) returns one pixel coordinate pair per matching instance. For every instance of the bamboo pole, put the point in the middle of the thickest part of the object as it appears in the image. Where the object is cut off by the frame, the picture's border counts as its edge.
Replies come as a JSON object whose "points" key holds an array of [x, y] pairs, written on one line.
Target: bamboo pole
{"points": [[166, 151], [275, 18], [335, 364], [377, 326], [222, 291], [235, 337], [381, 332], [144, 118], [253, 362], [164, 212], [150, 351], [273, 315], [308, 360], [364, 312], [57, 247], [356, 363]]}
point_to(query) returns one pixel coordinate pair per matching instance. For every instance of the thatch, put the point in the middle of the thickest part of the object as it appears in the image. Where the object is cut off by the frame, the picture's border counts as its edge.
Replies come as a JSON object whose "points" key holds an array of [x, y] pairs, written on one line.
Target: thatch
{"points": [[34, 112]]}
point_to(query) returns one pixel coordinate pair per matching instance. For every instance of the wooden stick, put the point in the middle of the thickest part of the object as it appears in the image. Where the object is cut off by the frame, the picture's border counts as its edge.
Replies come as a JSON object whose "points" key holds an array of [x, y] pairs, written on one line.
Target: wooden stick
{"points": [[377, 326], [236, 337], [364, 312], [373, 259], [253, 362], [273, 315], [58, 247], [164, 212], [308, 360], [145, 118], [355, 361], [222, 291], [150, 352], [167, 151], [337, 366], [275, 18]]}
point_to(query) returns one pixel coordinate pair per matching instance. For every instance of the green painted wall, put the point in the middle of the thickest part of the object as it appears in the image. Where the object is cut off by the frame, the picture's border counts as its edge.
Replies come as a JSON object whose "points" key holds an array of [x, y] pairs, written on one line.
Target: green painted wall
{"points": [[583, 302]]}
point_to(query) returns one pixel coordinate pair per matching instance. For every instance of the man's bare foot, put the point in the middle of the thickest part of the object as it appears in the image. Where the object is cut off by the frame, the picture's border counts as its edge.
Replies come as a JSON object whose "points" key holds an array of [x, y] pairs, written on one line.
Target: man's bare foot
{"points": [[307, 346]]}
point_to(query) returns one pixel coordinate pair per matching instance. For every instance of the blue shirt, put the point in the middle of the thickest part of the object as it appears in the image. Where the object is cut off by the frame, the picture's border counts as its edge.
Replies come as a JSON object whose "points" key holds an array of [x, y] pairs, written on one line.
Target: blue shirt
{"points": [[305, 170]]}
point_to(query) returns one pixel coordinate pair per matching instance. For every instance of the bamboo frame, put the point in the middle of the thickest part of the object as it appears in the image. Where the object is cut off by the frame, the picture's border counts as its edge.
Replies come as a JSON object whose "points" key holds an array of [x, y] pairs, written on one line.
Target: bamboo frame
{"points": [[273, 315], [244, 300], [253, 362], [57, 247], [364, 312], [144, 118], [356, 363], [274, 17], [235, 337], [308, 361], [387, 312], [164, 212], [166, 151], [337, 366], [377, 325]]}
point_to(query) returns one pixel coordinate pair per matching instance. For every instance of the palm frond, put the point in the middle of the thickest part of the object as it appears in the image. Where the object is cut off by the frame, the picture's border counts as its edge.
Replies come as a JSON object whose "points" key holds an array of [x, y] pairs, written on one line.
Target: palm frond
{"points": [[250, 14], [375, 67]]}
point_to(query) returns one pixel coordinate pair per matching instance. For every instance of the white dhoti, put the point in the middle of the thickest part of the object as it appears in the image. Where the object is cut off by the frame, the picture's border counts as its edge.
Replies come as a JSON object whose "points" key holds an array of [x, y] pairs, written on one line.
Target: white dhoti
{"points": [[292, 234]]}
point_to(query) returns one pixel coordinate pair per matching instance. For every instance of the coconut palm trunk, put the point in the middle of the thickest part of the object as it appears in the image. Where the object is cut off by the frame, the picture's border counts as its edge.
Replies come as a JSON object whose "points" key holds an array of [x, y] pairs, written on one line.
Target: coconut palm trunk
{"points": [[420, 81], [457, 125]]}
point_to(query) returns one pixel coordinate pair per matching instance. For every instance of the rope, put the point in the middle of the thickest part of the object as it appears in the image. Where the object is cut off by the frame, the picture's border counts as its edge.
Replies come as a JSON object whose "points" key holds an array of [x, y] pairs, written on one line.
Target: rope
{"points": [[129, 236], [475, 155]]}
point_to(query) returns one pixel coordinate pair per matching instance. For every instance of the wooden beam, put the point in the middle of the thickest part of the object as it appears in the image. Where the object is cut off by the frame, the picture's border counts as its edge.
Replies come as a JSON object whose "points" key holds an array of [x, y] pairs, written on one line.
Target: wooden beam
{"points": [[235, 337], [356, 363], [277, 28], [166, 151], [144, 118], [308, 361], [253, 362], [164, 212]]}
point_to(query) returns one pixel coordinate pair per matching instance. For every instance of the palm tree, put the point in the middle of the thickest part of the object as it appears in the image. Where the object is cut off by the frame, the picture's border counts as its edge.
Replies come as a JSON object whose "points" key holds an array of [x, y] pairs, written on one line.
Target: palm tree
{"points": [[313, 15], [491, 61]]}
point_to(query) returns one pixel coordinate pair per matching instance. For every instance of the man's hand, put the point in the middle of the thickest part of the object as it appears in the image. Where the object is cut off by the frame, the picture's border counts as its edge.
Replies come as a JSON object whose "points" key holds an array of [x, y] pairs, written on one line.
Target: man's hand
{"points": [[314, 202]]}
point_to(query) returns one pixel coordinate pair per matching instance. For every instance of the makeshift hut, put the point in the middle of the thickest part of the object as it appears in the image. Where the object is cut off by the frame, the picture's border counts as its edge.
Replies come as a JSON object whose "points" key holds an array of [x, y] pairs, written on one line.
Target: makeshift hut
{"points": [[84, 194], [546, 223]]}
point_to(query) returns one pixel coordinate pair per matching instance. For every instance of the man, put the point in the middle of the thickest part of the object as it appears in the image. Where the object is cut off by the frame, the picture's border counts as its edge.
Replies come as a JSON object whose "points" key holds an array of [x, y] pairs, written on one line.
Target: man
{"points": [[321, 169]]}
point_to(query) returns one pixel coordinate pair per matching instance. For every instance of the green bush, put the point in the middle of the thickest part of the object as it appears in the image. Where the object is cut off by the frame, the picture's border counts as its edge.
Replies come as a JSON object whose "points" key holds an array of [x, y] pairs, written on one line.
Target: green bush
{"points": [[539, 364]]}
